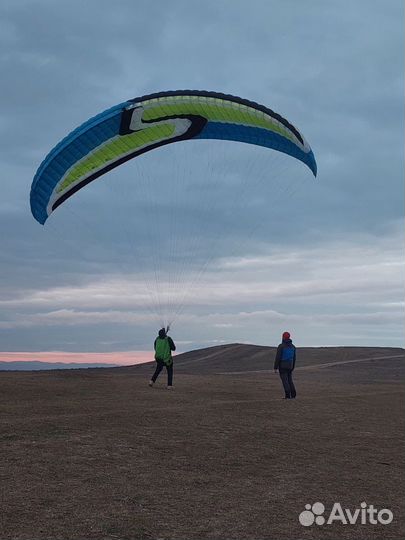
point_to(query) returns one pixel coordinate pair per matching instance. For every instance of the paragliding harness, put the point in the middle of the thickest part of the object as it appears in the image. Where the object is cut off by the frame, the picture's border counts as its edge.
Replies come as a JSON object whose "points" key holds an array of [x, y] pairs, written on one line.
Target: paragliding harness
{"points": [[163, 352]]}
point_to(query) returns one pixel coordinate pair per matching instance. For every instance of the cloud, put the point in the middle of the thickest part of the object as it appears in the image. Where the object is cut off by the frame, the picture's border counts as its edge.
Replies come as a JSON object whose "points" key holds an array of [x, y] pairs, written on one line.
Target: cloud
{"points": [[330, 286]]}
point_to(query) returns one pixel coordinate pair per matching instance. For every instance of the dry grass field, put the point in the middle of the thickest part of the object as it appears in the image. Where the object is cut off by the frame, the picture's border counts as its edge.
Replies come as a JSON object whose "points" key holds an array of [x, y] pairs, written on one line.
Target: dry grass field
{"points": [[97, 454]]}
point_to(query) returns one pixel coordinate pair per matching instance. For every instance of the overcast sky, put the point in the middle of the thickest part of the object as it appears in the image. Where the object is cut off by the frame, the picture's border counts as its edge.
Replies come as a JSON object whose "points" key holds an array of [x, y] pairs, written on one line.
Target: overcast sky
{"points": [[266, 247]]}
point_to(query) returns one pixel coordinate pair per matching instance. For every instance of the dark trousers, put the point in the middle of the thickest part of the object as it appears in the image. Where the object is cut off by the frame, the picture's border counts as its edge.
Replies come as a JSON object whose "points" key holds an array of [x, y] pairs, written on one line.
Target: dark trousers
{"points": [[159, 367], [286, 379]]}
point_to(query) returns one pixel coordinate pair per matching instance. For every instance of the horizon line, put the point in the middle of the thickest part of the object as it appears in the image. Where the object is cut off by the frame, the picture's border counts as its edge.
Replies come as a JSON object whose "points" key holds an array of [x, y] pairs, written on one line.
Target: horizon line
{"points": [[117, 358]]}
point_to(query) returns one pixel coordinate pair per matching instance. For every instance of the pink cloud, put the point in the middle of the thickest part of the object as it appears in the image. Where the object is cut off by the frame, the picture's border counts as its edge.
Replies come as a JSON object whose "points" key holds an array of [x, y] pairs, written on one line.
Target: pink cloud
{"points": [[122, 358]]}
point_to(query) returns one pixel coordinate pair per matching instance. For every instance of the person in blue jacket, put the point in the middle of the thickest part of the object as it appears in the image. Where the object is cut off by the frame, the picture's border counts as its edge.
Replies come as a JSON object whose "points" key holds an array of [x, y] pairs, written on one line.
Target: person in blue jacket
{"points": [[285, 364]]}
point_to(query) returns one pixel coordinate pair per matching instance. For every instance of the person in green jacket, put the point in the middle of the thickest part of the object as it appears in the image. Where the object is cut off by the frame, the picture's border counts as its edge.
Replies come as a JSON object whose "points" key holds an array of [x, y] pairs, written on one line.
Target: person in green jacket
{"points": [[163, 346]]}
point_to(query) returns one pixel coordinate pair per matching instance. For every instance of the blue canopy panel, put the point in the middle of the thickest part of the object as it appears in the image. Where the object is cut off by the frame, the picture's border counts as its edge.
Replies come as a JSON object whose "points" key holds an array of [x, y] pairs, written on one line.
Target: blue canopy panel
{"points": [[75, 146], [259, 137]]}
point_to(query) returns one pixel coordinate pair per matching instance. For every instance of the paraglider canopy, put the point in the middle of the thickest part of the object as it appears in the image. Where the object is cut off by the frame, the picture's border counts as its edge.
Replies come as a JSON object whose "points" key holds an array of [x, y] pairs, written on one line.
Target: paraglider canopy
{"points": [[144, 123], [178, 208]]}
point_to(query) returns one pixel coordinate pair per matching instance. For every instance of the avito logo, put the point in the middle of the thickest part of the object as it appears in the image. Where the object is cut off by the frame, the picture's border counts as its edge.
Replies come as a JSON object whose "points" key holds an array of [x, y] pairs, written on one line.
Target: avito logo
{"points": [[366, 514]]}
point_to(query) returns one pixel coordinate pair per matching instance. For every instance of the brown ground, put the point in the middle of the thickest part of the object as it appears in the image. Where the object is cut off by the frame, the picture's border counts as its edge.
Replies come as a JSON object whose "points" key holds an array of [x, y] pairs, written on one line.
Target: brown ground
{"points": [[97, 454]]}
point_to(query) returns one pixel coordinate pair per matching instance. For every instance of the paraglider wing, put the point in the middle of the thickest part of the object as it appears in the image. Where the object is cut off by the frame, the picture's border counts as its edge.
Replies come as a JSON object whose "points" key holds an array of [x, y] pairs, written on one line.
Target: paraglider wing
{"points": [[142, 124]]}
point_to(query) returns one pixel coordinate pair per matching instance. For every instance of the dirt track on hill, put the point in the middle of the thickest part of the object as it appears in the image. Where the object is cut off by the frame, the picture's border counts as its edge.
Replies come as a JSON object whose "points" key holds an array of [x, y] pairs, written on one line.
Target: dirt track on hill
{"points": [[97, 454]]}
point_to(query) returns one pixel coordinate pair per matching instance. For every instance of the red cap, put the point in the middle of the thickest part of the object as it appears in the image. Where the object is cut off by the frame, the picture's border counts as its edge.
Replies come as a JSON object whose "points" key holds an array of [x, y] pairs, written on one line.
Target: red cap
{"points": [[286, 335]]}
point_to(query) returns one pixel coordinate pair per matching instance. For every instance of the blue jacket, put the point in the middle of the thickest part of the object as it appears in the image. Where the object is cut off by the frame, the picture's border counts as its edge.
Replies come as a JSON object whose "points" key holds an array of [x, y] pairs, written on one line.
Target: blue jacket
{"points": [[285, 355]]}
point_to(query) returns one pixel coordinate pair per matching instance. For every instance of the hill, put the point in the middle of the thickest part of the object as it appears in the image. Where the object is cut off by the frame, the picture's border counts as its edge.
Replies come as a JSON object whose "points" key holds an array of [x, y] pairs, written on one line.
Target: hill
{"points": [[34, 365], [239, 357]]}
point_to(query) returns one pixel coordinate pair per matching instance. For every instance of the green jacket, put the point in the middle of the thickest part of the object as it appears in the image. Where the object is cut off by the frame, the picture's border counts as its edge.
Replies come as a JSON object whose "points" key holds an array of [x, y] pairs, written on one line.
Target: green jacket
{"points": [[163, 350]]}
